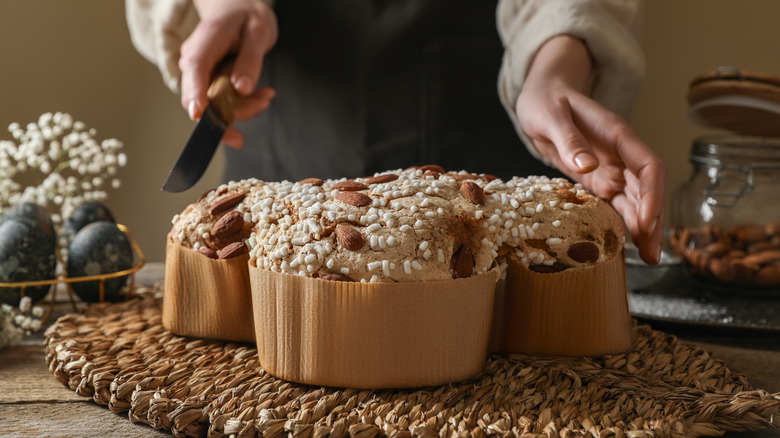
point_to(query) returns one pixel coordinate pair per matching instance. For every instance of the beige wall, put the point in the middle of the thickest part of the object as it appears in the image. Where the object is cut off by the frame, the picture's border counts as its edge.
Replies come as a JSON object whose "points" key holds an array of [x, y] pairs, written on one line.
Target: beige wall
{"points": [[684, 38], [75, 56]]}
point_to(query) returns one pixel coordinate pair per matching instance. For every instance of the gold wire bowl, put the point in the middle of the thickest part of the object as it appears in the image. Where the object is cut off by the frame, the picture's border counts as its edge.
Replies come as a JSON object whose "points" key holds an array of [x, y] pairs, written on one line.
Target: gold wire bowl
{"points": [[62, 278]]}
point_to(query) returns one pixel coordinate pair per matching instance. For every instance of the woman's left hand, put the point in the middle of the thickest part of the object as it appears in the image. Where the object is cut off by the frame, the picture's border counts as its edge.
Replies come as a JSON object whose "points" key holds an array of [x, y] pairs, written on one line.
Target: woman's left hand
{"points": [[591, 144]]}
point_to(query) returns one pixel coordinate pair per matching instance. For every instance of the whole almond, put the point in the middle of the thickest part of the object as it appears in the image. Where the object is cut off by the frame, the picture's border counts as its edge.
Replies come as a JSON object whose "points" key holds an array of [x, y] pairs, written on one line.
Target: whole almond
{"points": [[225, 203], [490, 177], [354, 199], [472, 192], [773, 228], [313, 181], [463, 177], [763, 257], [716, 249], [722, 269], [743, 273], [382, 179], [228, 224], [702, 261], [584, 252], [335, 277], [464, 263], [349, 237], [736, 254], [768, 275], [350, 186], [432, 167], [697, 260], [235, 249], [208, 252], [750, 233], [760, 246], [432, 173]]}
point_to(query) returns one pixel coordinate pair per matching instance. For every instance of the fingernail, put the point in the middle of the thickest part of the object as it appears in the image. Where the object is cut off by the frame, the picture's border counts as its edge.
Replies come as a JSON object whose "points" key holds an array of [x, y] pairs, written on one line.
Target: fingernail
{"points": [[192, 109], [584, 160], [243, 85], [653, 226]]}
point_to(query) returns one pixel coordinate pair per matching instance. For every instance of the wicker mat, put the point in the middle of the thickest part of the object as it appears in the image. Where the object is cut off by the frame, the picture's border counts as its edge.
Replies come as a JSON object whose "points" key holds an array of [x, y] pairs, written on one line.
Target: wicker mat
{"points": [[122, 357]]}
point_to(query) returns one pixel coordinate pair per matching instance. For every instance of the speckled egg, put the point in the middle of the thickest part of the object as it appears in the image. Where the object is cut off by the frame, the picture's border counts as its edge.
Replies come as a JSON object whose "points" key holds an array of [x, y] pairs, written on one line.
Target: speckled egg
{"points": [[26, 254], [99, 248], [85, 214], [34, 212]]}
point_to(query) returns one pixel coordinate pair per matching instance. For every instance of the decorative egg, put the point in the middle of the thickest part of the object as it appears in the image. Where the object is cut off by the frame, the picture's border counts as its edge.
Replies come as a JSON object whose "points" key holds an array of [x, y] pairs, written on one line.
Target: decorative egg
{"points": [[99, 248], [34, 212], [85, 214], [26, 254]]}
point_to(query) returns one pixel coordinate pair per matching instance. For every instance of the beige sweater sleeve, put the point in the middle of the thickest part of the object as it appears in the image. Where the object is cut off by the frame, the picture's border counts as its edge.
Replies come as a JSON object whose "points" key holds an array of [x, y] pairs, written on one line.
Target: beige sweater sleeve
{"points": [[157, 29], [610, 29]]}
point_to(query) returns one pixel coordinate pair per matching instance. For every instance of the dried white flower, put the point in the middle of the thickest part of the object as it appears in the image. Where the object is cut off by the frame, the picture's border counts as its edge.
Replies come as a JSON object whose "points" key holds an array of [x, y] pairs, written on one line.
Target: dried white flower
{"points": [[70, 166], [25, 305], [14, 323], [67, 160]]}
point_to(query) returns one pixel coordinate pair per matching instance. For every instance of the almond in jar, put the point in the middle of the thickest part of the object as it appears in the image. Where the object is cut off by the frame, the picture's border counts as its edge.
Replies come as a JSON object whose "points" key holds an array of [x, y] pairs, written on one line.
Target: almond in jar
{"points": [[726, 214]]}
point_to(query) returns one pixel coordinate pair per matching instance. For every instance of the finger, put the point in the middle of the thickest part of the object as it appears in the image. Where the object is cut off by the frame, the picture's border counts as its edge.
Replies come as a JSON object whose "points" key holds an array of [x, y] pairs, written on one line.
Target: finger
{"points": [[627, 210], [233, 138], [650, 172], [254, 104], [650, 178], [631, 187], [550, 152], [249, 61], [199, 55], [647, 237], [555, 125], [604, 182], [572, 146]]}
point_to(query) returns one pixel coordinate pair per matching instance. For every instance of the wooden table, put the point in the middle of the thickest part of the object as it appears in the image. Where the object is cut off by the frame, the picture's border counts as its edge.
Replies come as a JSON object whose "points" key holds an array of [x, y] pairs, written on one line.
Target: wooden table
{"points": [[34, 404]]}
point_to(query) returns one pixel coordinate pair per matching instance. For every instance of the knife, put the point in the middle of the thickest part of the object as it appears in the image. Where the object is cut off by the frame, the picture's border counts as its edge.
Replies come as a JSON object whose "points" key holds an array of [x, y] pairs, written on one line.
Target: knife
{"points": [[200, 148]]}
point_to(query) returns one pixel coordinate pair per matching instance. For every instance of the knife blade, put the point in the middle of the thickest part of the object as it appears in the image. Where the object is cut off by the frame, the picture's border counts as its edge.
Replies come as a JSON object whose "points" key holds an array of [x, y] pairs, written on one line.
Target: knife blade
{"points": [[217, 117]]}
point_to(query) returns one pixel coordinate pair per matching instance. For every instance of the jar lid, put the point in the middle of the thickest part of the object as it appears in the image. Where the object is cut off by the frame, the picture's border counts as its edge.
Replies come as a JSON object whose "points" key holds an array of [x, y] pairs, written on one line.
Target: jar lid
{"points": [[738, 100]]}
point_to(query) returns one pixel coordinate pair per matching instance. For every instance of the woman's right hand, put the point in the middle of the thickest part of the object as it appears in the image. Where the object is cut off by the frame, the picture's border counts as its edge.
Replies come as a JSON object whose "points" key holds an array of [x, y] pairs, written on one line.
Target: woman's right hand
{"points": [[246, 28]]}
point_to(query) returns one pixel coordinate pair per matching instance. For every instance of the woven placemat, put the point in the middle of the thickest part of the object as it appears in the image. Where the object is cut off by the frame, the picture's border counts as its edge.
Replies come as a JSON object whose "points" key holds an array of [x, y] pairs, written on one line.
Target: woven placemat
{"points": [[122, 357]]}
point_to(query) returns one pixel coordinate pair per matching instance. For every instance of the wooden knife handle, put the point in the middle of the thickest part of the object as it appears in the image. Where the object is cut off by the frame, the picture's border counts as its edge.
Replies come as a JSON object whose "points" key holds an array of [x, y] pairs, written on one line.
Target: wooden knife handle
{"points": [[221, 93]]}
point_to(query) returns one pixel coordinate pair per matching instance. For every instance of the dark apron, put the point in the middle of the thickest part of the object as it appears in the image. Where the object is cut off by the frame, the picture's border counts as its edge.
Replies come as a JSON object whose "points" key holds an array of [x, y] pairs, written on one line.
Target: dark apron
{"points": [[367, 85]]}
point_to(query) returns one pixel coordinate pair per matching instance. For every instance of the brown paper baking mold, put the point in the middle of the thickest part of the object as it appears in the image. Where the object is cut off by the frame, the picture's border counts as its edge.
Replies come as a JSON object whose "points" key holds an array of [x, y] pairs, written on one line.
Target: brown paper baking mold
{"points": [[369, 335], [576, 312], [207, 298]]}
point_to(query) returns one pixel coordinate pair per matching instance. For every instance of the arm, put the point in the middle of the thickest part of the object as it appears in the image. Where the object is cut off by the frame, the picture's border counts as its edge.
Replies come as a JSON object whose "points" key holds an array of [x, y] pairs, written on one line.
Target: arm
{"points": [[586, 138]]}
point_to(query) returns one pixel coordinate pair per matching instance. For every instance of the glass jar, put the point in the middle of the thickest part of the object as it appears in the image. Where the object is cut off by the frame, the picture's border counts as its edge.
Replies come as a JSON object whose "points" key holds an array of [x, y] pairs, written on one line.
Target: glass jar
{"points": [[726, 216]]}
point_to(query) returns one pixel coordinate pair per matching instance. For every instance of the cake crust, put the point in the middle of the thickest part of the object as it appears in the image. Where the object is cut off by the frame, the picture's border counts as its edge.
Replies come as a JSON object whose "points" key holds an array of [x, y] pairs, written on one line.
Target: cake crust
{"points": [[416, 224]]}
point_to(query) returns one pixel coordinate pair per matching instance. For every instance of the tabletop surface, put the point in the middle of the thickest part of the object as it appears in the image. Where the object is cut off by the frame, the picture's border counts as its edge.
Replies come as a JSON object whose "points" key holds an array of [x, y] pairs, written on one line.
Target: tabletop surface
{"points": [[34, 404]]}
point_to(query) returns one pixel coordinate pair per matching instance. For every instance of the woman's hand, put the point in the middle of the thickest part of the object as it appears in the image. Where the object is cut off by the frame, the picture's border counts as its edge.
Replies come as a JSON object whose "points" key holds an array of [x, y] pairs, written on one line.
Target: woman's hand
{"points": [[246, 28], [591, 144]]}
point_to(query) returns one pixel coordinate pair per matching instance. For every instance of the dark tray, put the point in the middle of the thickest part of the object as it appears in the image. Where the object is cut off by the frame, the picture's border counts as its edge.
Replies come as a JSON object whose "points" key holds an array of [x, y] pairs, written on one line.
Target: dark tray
{"points": [[668, 294]]}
